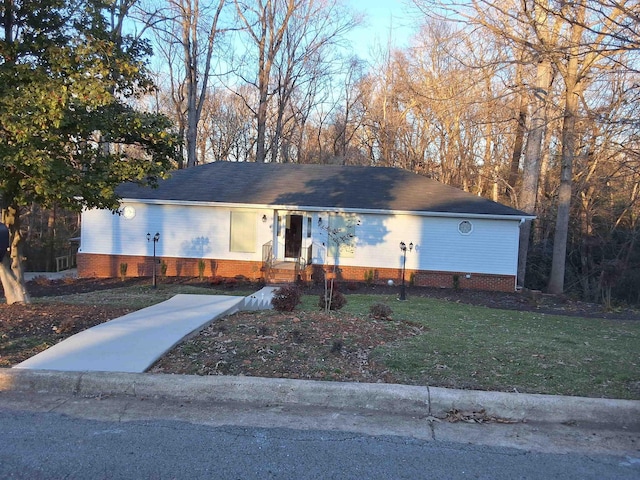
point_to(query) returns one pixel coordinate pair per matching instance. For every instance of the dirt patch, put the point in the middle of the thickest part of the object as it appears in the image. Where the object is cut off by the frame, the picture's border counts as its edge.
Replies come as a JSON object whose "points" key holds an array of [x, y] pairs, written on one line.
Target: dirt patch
{"points": [[302, 345], [26, 330]]}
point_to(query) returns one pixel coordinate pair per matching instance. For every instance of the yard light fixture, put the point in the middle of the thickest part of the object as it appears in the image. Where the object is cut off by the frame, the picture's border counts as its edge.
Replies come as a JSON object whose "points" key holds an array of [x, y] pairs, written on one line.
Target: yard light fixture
{"points": [[156, 239], [403, 287]]}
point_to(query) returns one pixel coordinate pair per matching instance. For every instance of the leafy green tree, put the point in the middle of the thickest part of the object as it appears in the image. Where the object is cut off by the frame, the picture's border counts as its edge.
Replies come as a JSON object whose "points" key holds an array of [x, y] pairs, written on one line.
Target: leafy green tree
{"points": [[69, 132]]}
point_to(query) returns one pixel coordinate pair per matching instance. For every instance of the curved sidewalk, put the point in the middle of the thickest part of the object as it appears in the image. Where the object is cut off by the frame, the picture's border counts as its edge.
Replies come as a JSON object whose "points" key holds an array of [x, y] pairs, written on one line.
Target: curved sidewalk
{"points": [[134, 342]]}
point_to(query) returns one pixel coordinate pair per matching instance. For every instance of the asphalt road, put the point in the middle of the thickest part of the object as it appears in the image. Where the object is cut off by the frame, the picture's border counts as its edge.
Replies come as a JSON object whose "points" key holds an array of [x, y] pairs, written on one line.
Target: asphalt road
{"points": [[53, 437]]}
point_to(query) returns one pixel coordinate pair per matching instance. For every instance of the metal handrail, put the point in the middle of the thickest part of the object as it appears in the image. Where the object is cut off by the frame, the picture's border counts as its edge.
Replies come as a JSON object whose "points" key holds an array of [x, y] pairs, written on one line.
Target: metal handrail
{"points": [[267, 259]]}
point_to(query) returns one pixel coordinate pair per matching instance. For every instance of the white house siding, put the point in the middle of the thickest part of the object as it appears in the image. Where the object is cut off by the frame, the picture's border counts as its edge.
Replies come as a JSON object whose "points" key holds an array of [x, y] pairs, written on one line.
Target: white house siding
{"points": [[491, 247], [185, 232], [204, 232]]}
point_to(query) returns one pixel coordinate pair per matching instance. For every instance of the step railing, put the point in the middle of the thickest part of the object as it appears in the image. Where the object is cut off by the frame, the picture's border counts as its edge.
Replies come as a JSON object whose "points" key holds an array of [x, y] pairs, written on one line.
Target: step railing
{"points": [[267, 261]]}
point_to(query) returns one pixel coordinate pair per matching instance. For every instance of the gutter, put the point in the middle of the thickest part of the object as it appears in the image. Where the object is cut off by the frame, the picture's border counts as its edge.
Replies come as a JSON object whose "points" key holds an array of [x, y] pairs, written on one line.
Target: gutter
{"points": [[521, 217]]}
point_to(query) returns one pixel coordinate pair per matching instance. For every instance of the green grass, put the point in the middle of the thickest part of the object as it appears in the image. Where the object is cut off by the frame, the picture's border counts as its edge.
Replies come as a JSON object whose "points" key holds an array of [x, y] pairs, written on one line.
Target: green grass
{"points": [[136, 297], [465, 346]]}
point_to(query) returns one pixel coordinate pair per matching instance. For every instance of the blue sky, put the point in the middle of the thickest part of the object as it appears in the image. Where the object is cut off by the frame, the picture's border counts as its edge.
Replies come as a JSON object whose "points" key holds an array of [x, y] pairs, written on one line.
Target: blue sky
{"points": [[382, 17]]}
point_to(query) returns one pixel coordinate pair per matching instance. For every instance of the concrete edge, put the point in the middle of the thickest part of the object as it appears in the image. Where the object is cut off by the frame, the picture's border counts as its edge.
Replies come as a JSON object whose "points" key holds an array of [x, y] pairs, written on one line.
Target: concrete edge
{"points": [[391, 398]]}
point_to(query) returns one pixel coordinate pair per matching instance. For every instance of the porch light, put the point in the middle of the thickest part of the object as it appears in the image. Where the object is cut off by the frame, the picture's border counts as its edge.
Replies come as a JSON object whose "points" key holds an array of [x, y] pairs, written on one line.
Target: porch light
{"points": [[264, 218], [319, 221]]}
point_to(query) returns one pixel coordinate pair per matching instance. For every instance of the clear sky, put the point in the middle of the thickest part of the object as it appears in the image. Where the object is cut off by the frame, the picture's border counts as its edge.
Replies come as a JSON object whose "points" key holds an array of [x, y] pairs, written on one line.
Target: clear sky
{"points": [[383, 18]]}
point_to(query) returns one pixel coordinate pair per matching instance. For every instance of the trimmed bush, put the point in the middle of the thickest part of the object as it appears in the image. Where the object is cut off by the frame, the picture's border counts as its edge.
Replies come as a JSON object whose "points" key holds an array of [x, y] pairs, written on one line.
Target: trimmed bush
{"points": [[338, 300], [380, 311], [123, 271], [286, 298]]}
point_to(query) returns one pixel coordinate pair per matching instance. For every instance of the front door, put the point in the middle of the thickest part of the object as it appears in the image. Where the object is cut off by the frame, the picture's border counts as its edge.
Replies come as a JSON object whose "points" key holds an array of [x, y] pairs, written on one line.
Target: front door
{"points": [[293, 236]]}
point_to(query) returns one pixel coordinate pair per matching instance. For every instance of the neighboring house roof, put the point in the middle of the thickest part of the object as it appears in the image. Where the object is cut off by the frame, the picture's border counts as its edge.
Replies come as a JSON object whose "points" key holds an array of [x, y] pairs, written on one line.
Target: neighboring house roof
{"points": [[318, 187]]}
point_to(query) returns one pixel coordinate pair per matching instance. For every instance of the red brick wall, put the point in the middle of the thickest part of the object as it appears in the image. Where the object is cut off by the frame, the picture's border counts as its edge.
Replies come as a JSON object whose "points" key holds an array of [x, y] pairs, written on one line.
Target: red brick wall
{"points": [[476, 281], [96, 265], [106, 266]]}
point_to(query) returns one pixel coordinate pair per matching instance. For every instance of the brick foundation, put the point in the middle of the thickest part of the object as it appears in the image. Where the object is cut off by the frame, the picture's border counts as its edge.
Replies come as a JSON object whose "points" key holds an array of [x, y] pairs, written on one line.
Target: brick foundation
{"points": [[435, 279], [106, 266]]}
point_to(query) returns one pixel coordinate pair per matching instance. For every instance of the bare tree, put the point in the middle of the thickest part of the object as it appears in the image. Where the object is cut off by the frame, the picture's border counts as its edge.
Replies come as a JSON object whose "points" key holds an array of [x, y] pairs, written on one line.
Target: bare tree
{"points": [[596, 35], [190, 35], [288, 45]]}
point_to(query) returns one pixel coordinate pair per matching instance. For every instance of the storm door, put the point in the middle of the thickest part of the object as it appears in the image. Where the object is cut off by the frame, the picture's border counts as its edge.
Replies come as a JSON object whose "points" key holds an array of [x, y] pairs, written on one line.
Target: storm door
{"points": [[293, 236]]}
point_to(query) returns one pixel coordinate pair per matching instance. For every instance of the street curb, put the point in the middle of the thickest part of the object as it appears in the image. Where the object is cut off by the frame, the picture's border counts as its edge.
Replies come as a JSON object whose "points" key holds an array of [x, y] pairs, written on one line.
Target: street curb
{"points": [[398, 399]]}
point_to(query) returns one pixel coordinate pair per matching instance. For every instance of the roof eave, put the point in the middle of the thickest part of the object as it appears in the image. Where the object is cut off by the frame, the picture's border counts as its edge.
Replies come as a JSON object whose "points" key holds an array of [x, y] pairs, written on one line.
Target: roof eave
{"points": [[307, 208]]}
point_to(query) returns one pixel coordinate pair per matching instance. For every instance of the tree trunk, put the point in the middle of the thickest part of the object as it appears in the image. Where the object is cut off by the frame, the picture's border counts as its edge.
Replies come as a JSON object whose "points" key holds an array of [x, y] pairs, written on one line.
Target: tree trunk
{"points": [[556, 279], [572, 95], [518, 143], [11, 270], [51, 240], [531, 171]]}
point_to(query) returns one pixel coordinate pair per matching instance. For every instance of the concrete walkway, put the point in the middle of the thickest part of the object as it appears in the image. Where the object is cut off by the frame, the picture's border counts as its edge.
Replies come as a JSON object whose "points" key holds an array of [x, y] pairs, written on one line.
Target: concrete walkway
{"points": [[134, 342]]}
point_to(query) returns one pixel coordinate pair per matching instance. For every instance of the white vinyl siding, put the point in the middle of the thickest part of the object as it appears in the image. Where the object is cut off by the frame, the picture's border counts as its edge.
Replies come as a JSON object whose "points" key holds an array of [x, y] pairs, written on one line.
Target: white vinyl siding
{"points": [[342, 235], [491, 246], [185, 231], [200, 231]]}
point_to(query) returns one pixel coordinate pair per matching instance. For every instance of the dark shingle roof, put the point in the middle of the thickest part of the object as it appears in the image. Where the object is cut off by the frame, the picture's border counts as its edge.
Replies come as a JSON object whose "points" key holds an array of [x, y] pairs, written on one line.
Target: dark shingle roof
{"points": [[319, 186]]}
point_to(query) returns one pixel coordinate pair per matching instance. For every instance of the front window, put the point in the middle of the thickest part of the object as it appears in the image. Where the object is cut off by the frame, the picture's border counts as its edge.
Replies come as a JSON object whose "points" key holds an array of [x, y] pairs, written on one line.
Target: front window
{"points": [[243, 232]]}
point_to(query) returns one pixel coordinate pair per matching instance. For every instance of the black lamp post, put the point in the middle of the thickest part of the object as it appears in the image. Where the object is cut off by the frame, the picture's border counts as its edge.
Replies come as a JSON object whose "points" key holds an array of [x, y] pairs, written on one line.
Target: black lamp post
{"points": [[156, 239], [403, 287]]}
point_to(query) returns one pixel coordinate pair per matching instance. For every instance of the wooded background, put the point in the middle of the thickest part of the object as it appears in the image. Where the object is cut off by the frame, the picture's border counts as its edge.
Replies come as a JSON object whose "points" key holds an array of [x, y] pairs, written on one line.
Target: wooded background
{"points": [[532, 103]]}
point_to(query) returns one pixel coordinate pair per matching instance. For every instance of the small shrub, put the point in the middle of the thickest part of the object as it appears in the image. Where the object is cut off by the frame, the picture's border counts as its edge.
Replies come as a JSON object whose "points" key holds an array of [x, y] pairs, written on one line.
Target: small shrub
{"points": [[380, 311], [456, 282], [352, 286], [336, 346], [230, 283], [41, 280], [201, 267], [163, 269], [66, 326], [286, 298], [338, 300], [369, 276], [123, 271]]}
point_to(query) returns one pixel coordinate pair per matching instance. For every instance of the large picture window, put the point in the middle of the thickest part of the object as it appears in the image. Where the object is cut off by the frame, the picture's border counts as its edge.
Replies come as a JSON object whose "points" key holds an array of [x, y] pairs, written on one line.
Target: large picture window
{"points": [[243, 232]]}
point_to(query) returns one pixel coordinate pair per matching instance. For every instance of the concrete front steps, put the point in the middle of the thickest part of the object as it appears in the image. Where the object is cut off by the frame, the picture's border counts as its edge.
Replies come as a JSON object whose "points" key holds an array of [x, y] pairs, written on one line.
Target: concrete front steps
{"points": [[261, 300]]}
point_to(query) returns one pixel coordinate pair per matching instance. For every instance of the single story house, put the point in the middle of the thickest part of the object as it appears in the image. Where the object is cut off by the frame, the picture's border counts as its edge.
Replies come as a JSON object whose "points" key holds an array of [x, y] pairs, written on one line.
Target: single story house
{"points": [[280, 222]]}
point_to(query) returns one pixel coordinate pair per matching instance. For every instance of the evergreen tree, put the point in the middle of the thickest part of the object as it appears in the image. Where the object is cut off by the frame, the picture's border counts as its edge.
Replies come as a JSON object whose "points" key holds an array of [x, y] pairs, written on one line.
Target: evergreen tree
{"points": [[69, 131]]}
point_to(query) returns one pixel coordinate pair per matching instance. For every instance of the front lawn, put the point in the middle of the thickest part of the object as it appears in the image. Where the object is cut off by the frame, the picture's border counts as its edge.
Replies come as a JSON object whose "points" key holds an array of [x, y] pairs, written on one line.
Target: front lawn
{"points": [[427, 342]]}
